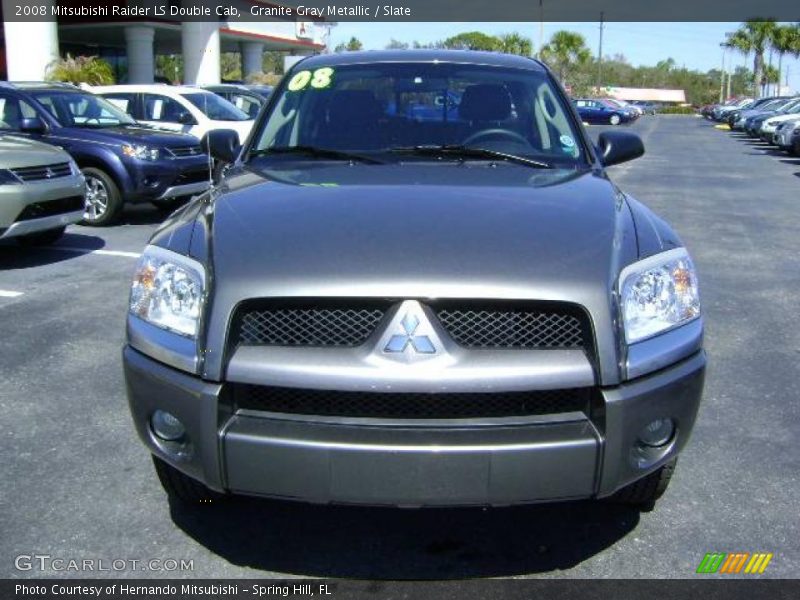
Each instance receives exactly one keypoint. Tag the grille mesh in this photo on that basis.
(181, 151)
(410, 405)
(309, 326)
(513, 328)
(43, 172)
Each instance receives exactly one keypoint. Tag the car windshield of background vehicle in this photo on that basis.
(216, 108)
(82, 110)
(375, 108)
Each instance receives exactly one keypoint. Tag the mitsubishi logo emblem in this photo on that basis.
(421, 344)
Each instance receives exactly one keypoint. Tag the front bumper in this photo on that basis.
(166, 178)
(414, 463)
(41, 205)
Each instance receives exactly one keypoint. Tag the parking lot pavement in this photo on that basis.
(78, 484)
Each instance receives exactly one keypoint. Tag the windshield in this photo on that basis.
(216, 108)
(80, 109)
(383, 107)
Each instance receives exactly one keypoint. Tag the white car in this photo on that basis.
(785, 132)
(178, 108)
(789, 112)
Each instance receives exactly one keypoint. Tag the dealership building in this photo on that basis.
(130, 44)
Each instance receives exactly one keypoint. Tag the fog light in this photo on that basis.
(167, 426)
(657, 433)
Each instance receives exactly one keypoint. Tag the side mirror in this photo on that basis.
(32, 125)
(618, 147)
(222, 144)
(186, 118)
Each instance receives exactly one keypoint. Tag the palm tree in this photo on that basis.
(564, 51)
(785, 39)
(755, 37)
(514, 43)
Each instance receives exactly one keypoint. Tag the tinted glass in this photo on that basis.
(216, 108)
(73, 109)
(380, 106)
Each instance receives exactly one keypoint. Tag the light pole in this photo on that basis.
(724, 47)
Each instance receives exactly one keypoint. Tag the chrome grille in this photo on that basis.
(547, 328)
(42, 172)
(184, 151)
(309, 326)
(409, 405)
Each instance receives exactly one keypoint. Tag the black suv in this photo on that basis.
(121, 160)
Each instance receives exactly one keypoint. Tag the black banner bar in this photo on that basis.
(233, 11)
(302, 589)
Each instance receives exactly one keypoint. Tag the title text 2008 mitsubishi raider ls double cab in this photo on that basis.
(376, 309)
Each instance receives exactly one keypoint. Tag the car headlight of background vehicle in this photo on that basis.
(168, 291)
(141, 152)
(657, 294)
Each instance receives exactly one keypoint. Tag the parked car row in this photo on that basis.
(775, 120)
(610, 111)
(117, 144)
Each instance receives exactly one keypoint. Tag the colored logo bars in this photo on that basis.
(734, 562)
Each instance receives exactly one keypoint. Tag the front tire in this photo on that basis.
(614, 119)
(183, 488)
(644, 492)
(41, 238)
(103, 199)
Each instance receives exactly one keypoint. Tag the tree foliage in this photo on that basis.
(351, 46)
(81, 69)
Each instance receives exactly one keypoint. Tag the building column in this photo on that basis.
(200, 46)
(31, 47)
(139, 45)
(252, 58)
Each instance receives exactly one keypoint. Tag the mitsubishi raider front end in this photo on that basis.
(376, 309)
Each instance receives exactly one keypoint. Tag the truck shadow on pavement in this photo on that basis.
(14, 256)
(386, 543)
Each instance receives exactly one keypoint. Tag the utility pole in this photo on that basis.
(541, 29)
(600, 57)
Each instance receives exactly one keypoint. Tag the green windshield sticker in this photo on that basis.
(320, 79)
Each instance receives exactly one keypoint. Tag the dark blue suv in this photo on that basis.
(121, 160)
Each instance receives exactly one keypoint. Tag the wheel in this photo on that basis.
(103, 200)
(41, 238)
(614, 119)
(183, 488)
(644, 492)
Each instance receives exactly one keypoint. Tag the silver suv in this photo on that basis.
(41, 191)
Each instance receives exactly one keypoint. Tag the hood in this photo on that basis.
(134, 134)
(427, 231)
(20, 152)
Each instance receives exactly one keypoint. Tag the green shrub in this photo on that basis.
(677, 110)
(81, 69)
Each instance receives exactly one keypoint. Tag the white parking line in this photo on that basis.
(103, 252)
(8, 294)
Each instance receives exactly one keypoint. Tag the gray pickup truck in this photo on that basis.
(41, 191)
(395, 300)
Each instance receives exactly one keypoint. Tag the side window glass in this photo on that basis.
(162, 108)
(122, 102)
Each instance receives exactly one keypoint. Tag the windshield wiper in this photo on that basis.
(460, 151)
(316, 152)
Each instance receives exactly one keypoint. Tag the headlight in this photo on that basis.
(140, 152)
(167, 291)
(73, 167)
(657, 294)
(771, 123)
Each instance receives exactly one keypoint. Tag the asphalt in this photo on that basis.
(78, 484)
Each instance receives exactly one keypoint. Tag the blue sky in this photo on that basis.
(695, 45)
